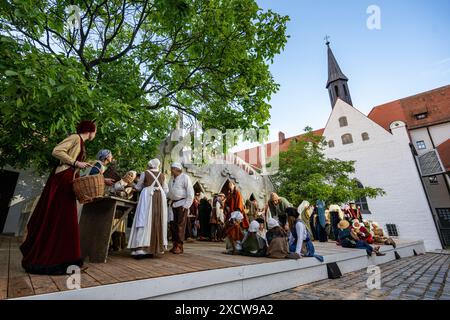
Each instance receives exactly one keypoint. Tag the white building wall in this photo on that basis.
(29, 185)
(385, 161)
(421, 134)
(440, 133)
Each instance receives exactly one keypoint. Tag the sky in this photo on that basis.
(409, 54)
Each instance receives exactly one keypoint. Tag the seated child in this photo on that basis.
(233, 233)
(277, 240)
(253, 244)
(124, 187)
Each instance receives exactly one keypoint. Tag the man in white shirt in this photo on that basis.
(181, 196)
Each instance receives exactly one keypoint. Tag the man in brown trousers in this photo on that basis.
(181, 196)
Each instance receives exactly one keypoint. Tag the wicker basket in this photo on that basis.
(88, 188)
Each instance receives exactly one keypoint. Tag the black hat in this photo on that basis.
(292, 212)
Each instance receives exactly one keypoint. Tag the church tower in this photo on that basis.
(337, 82)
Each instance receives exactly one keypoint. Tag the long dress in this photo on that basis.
(204, 216)
(321, 222)
(53, 239)
(235, 202)
(149, 228)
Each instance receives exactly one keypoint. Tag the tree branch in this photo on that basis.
(99, 60)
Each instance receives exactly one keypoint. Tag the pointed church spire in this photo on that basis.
(337, 81)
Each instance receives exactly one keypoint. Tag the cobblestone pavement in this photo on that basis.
(423, 277)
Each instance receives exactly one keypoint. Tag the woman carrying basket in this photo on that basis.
(53, 240)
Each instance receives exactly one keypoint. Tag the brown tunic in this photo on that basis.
(156, 241)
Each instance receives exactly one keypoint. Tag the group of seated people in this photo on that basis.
(291, 235)
(290, 241)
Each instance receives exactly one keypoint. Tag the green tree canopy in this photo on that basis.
(134, 66)
(306, 174)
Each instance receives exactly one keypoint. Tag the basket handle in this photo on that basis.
(77, 170)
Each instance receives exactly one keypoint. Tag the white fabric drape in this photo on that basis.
(142, 225)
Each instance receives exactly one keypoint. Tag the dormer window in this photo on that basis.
(421, 116)
(420, 113)
(343, 122)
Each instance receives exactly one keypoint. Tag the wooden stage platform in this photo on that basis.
(202, 272)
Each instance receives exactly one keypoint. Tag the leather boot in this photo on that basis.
(178, 249)
(174, 247)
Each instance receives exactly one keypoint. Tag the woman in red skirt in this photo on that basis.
(53, 239)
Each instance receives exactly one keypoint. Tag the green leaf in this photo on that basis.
(11, 73)
(19, 102)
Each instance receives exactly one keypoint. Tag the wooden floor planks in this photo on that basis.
(4, 266)
(19, 282)
(120, 267)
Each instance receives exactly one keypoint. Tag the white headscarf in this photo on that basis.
(154, 164)
(254, 226)
(272, 223)
(334, 208)
(304, 205)
(237, 215)
(177, 165)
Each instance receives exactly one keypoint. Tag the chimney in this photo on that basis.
(281, 137)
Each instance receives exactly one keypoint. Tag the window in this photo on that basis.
(345, 90)
(336, 90)
(433, 180)
(421, 116)
(444, 222)
(421, 145)
(444, 216)
(362, 202)
(365, 136)
(392, 230)
(343, 121)
(331, 144)
(347, 138)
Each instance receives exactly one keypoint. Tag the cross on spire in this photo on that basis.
(327, 39)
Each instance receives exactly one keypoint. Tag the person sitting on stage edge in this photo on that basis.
(277, 240)
(299, 241)
(348, 238)
(253, 244)
(262, 228)
(233, 233)
(379, 237)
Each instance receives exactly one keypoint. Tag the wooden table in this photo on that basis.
(97, 225)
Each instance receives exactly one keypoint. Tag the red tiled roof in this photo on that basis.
(444, 153)
(253, 154)
(285, 145)
(436, 103)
